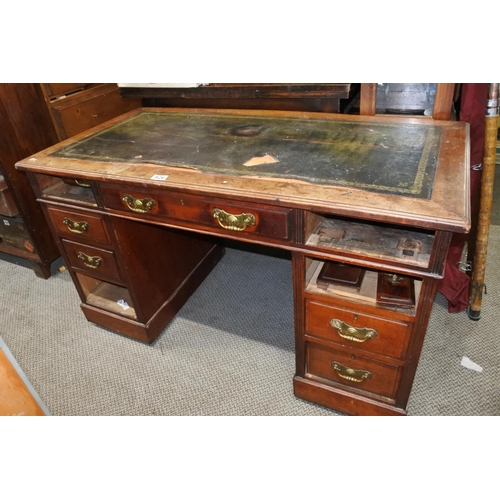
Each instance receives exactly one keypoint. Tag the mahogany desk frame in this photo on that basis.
(352, 355)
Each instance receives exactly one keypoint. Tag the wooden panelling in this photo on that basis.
(86, 106)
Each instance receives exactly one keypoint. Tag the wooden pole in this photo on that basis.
(477, 285)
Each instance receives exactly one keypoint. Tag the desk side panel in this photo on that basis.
(157, 261)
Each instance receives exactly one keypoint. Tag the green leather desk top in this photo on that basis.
(410, 171)
(380, 157)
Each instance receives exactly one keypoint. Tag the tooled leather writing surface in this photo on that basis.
(380, 157)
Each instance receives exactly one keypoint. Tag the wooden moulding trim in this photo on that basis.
(298, 271)
(429, 288)
(128, 327)
(342, 401)
(244, 91)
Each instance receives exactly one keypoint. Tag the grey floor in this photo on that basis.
(228, 352)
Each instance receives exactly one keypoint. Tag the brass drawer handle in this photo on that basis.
(89, 261)
(233, 222)
(83, 184)
(350, 373)
(76, 227)
(352, 333)
(137, 205)
(394, 279)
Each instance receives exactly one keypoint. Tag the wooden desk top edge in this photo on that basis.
(443, 211)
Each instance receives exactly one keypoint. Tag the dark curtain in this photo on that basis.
(455, 284)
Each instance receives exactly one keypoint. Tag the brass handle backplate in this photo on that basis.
(138, 205)
(233, 222)
(83, 184)
(352, 333)
(350, 373)
(394, 279)
(89, 261)
(76, 227)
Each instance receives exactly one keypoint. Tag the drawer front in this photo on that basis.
(235, 219)
(97, 262)
(360, 331)
(354, 371)
(80, 224)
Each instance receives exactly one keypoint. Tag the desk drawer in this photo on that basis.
(97, 262)
(343, 367)
(85, 225)
(353, 329)
(235, 219)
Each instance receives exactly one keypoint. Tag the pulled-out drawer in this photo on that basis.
(219, 216)
(343, 367)
(79, 223)
(97, 262)
(352, 329)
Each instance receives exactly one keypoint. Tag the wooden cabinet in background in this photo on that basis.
(25, 127)
(34, 116)
(321, 97)
(76, 107)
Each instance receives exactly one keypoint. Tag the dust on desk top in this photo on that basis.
(382, 157)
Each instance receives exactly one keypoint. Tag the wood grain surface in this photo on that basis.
(15, 397)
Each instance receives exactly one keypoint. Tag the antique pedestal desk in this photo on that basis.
(366, 206)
